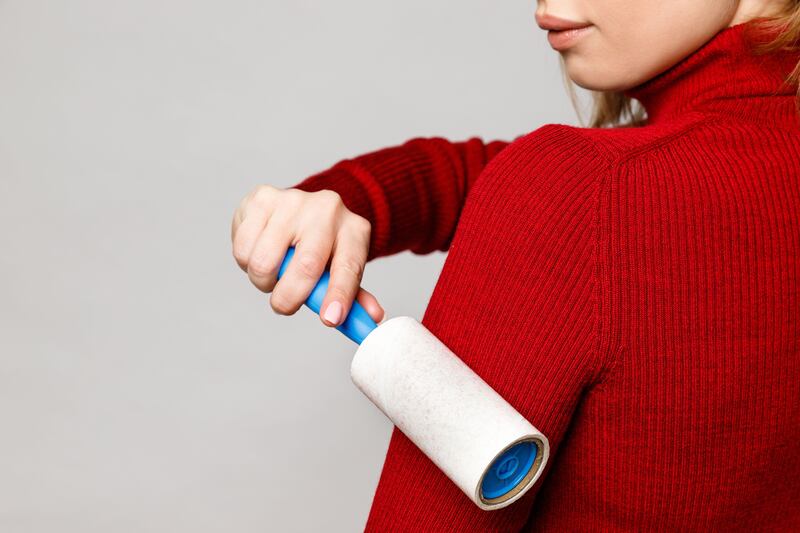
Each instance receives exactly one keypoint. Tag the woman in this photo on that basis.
(630, 287)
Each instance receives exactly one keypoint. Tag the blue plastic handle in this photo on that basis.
(357, 324)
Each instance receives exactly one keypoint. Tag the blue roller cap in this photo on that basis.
(357, 324)
(507, 471)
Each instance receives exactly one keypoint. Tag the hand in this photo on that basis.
(269, 220)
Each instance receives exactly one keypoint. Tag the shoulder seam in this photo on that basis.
(600, 152)
(604, 356)
(602, 279)
(703, 120)
(700, 119)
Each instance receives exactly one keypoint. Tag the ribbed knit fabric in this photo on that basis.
(633, 292)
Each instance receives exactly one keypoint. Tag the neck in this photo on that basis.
(725, 76)
(750, 9)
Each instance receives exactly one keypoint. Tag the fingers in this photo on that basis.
(238, 215)
(320, 227)
(347, 269)
(253, 218)
(269, 251)
(303, 272)
(245, 239)
(235, 224)
(370, 305)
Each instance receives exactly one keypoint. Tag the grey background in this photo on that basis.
(145, 385)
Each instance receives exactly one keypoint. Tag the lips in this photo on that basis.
(551, 22)
(562, 33)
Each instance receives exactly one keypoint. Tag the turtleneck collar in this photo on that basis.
(724, 76)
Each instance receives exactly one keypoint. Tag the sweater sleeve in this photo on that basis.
(539, 337)
(412, 194)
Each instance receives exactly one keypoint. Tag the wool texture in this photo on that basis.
(632, 291)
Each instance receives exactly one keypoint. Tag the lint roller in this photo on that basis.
(488, 449)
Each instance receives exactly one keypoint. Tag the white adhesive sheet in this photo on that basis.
(443, 406)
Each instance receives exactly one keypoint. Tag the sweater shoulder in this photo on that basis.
(561, 143)
(545, 164)
(554, 147)
(556, 151)
(619, 144)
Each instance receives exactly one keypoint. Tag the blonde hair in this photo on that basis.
(614, 109)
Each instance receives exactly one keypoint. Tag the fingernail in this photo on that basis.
(333, 312)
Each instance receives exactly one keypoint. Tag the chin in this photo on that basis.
(596, 77)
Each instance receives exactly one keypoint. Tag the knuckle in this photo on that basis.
(351, 266)
(263, 189)
(293, 196)
(363, 225)
(337, 292)
(310, 263)
(260, 268)
(263, 193)
(330, 195)
(329, 201)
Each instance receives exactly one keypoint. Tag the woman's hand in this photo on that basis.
(269, 220)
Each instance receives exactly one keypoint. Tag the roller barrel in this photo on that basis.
(488, 449)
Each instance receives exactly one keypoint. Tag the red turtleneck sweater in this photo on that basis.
(634, 292)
